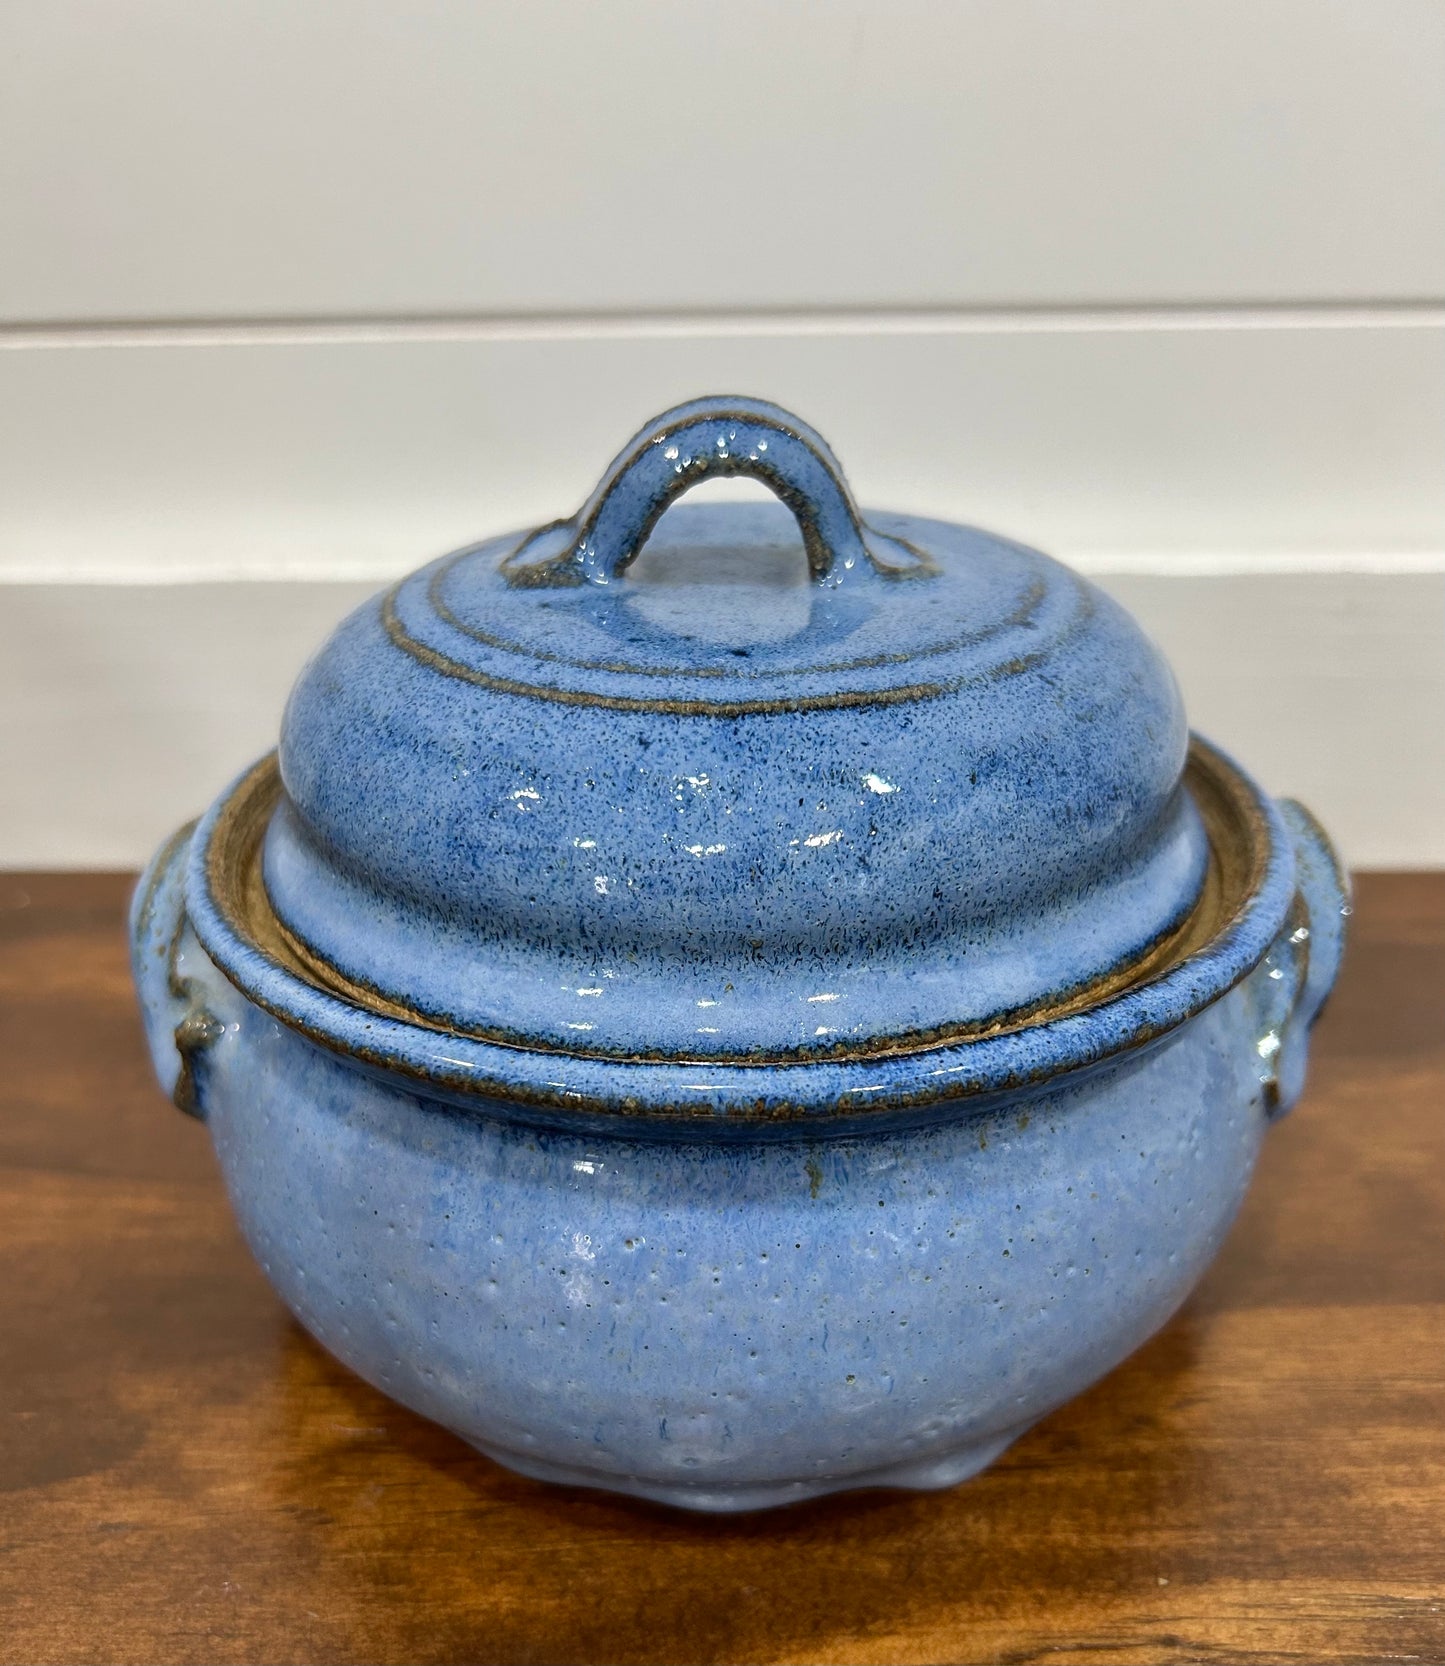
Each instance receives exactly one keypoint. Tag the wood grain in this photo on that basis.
(184, 1476)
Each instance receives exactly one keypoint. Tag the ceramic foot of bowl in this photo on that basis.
(931, 1474)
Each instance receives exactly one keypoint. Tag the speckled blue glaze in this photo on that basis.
(720, 1247)
(713, 815)
(722, 1316)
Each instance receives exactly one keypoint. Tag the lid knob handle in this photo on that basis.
(703, 439)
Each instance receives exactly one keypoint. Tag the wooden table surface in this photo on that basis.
(185, 1476)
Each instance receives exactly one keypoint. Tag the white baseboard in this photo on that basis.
(124, 708)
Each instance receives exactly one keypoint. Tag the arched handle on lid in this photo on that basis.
(704, 439)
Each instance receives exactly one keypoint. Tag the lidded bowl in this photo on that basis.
(707, 833)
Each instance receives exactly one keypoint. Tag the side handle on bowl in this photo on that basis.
(179, 1026)
(1300, 970)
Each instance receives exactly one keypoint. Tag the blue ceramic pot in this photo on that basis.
(774, 1011)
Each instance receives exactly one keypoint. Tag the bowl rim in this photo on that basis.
(1242, 909)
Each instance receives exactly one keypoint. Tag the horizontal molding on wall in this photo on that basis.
(125, 709)
(660, 324)
(164, 159)
(1303, 443)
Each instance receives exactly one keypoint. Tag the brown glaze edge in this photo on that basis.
(1239, 850)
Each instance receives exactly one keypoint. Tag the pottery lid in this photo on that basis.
(788, 783)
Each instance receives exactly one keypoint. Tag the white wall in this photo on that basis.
(294, 295)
